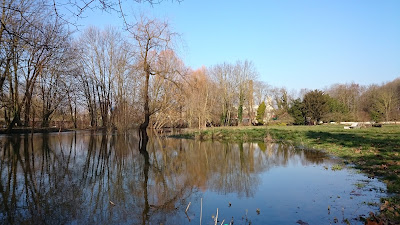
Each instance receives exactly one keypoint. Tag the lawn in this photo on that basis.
(374, 150)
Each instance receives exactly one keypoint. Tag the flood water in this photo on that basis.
(92, 178)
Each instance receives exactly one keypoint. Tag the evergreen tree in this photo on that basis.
(260, 113)
(297, 112)
(315, 105)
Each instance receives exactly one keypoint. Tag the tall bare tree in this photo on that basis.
(152, 38)
(199, 98)
(244, 74)
(166, 90)
(222, 75)
(32, 37)
(348, 95)
(55, 83)
(104, 60)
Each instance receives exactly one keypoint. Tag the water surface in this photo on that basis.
(93, 178)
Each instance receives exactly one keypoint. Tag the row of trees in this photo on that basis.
(101, 77)
(35, 57)
(105, 78)
(348, 102)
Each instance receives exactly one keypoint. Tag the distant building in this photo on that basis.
(269, 110)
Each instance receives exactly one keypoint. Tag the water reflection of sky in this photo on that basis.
(103, 179)
(294, 189)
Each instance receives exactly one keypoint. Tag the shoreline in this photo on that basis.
(29, 130)
(374, 151)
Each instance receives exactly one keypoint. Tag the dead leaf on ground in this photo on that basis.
(384, 205)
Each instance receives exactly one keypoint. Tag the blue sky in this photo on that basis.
(296, 44)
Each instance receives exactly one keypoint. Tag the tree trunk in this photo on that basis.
(72, 111)
(46, 120)
(15, 120)
(146, 108)
(27, 109)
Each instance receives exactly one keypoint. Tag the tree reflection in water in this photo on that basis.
(36, 186)
(88, 177)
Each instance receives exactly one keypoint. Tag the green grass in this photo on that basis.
(226, 133)
(360, 185)
(336, 167)
(375, 151)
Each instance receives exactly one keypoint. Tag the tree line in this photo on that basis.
(107, 78)
(348, 102)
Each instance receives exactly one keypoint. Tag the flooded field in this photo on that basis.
(93, 178)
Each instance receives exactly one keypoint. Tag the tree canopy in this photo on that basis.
(315, 105)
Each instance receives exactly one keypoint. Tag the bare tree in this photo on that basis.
(244, 73)
(55, 82)
(152, 38)
(165, 90)
(198, 95)
(31, 36)
(104, 59)
(222, 75)
(262, 91)
(348, 95)
(388, 99)
(71, 11)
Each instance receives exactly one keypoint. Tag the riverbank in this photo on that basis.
(34, 130)
(29, 130)
(373, 150)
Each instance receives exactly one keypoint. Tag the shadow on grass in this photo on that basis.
(382, 141)
(376, 153)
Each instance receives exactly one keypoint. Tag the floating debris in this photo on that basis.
(187, 208)
(353, 192)
(335, 220)
(302, 222)
(216, 218)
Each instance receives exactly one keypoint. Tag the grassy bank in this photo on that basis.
(375, 151)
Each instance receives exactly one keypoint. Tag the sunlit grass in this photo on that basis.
(336, 167)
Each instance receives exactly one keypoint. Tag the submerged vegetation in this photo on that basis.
(375, 151)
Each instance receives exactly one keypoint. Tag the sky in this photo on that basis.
(293, 44)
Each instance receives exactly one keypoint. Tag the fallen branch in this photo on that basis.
(216, 218)
(201, 209)
(187, 208)
(187, 216)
